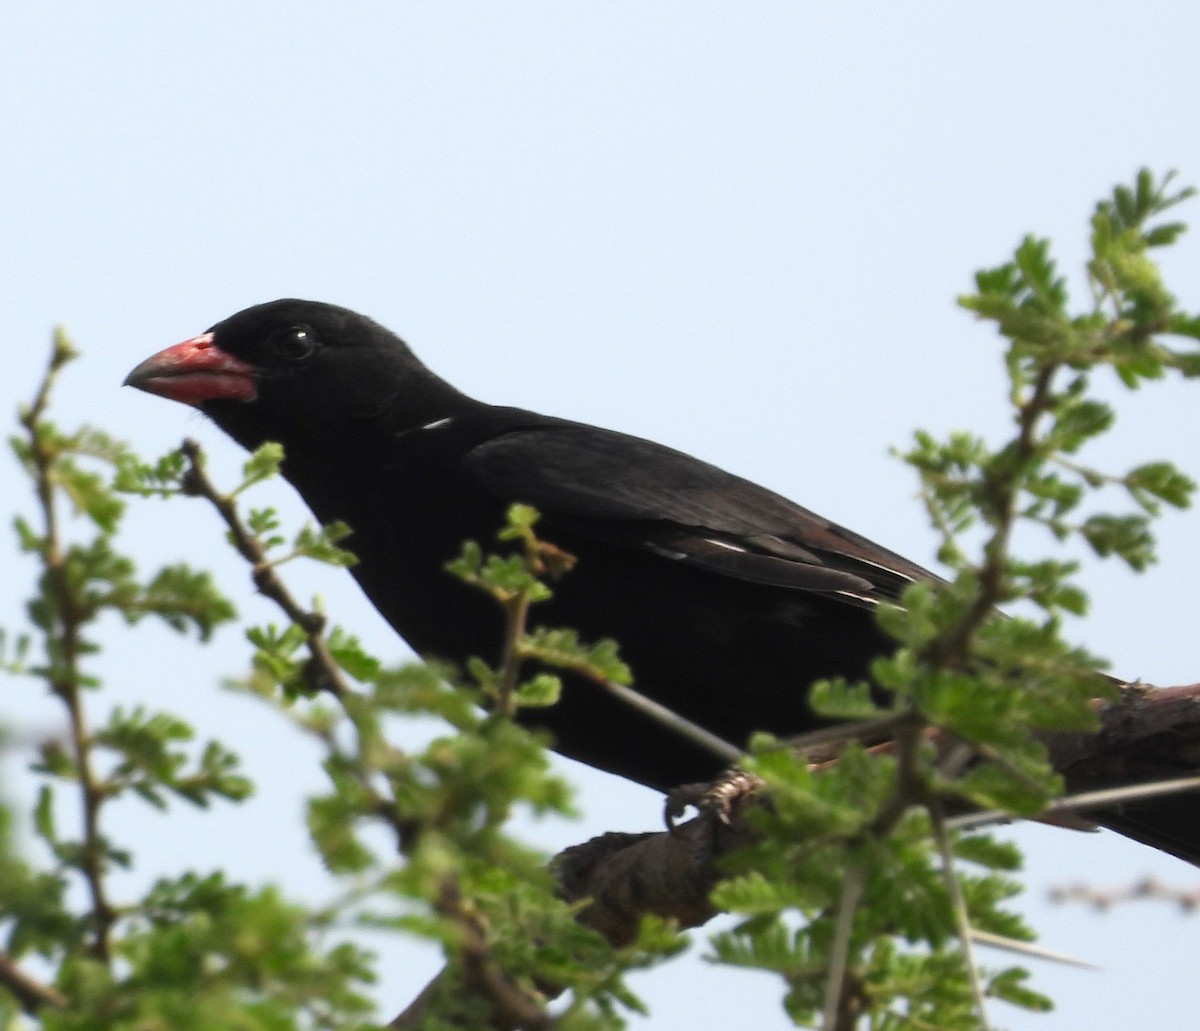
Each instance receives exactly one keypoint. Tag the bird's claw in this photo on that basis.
(715, 800)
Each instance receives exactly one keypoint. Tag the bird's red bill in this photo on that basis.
(195, 371)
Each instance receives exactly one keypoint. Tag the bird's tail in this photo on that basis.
(1142, 768)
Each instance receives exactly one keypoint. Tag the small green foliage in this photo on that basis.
(180, 596)
(1009, 986)
(160, 478)
(818, 836)
(839, 699)
(203, 954)
(562, 649)
(1159, 481)
(322, 545)
(539, 691)
(148, 764)
(517, 582)
(195, 952)
(263, 522)
(13, 651)
(264, 464)
(506, 578)
(56, 456)
(854, 892)
(849, 874)
(278, 660)
(448, 803)
(1126, 536)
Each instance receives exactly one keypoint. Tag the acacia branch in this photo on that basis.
(1146, 889)
(323, 671)
(1147, 736)
(28, 991)
(64, 645)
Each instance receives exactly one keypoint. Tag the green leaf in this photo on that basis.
(1160, 480)
(322, 545)
(1009, 985)
(839, 699)
(541, 691)
(1127, 537)
(263, 464)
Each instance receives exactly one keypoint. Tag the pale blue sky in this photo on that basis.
(734, 228)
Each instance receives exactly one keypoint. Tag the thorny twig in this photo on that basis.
(324, 672)
(30, 993)
(958, 904)
(511, 1005)
(837, 1015)
(64, 646)
(1148, 888)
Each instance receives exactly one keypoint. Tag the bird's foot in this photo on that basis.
(715, 800)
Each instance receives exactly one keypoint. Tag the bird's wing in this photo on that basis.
(632, 491)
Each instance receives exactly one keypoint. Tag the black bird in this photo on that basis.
(726, 599)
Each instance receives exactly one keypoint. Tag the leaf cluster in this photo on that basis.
(195, 950)
(858, 894)
(463, 881)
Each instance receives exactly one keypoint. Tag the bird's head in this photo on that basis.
(296, 371)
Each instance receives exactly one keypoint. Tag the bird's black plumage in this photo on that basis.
(727, 600)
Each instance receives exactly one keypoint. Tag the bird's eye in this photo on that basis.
(293, 344)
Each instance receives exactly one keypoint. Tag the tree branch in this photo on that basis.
(323, 670)
(30, 993)
(64, 647)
